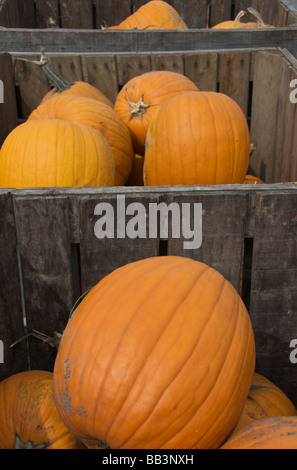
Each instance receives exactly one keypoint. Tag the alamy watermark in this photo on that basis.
(293, 94)
(1, 92)
(151, 221)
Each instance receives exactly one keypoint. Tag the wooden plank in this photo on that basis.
(171, 62)
(76, 14)
(45, 250)
(69, 66)
(47, 12)
(11, 315)
(9, 14)
(194, 14)
(100, 256)
(234, 77)
(8, 104)
(19, 41)
(131, 65)
(111, 13)
(274, 279)
(32, 85)
(272, 111)
(202, 69)
(101, 73)
(220, 248)
(220, 10)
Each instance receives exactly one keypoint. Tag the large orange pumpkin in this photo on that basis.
(142, 95)
(265, 400)
(279, 432)
(197, 138)
(237, 23)
(55, 153)
(160, 354)
(28, 416)
(98, 115)
(155, 14)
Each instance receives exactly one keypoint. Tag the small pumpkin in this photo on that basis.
(197, 138)
(237, 23)
(279, 432)
(265, 400)
(44, 153)
(159, 354)
(29, 418)
(98, 115)
(155, 14)
(142, 95)
(251, 179)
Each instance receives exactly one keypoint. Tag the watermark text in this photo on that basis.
(293, 94)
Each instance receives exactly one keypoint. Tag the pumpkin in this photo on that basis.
(237, 23)
(197, 138)
(52, 152)
(278, 432)
(265, 400)
(62, 86)
(98, 115)
(142, 95)
(251, 179)
(136, 175)
(29, 418)
(155, 14)
(159, 354)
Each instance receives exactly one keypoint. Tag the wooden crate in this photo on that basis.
(50, 256)
(258, 80)
(91, 14)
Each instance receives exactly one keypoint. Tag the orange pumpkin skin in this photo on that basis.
(98, 115)
(142, 95)
(155, 14)
(265, 400)
(82, 89)
(160, 354)
(55, 153)
(197, 138)
(279, 432)
(251, 179)
(29, 417)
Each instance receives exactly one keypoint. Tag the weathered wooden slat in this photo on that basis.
(272, 12)
(202, 69)
(273, 120)
(12, 360)
(221, 248)
(195, 14)
(14, 14)
(8, 104)
(234, 77)
(44, 239)
(273, 306)
(69, 66)
(47, 13)
(100, 256)
(111, 13)
(32, 85)
(220, 10)
(101, 73)
(172, 62)
(131, 65)
(55, 40)
(76, 14)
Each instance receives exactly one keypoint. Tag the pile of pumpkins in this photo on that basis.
(160, 354)
(161, 130)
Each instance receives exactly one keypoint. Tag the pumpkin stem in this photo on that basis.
(137, 109)
(239, 15)
(257, 15)
(52, 341)
(19, 444)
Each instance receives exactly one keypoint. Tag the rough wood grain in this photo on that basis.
(8, 103)
(101, 73)
(45, 251)
(11, 314)
(47, 13)
(76, 14)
